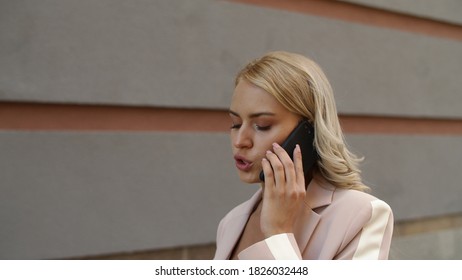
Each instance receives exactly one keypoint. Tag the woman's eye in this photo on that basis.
(257, 127)
(235, 126)
(263, 128)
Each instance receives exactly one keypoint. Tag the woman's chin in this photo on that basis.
(249, 178)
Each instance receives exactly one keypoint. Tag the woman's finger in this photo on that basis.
(268, 171)
(298, 163)
(278, 169)
(288, 164)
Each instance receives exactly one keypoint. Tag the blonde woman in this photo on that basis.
(320, 213)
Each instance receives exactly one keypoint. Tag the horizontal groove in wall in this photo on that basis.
(400, 125)
(22, 116)
(191, 252)
(424, 225)
(59, 117)
(364, 15)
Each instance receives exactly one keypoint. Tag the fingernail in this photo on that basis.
(297, 147)
(276, 145)
(268, 152)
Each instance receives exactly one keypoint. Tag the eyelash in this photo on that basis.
(260, 128)
(235, 126)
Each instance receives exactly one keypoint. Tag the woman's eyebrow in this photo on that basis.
(253, 115)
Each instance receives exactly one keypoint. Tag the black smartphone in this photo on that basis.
(302, 135)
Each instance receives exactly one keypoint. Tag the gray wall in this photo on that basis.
(76, 194)
(416, 174)
(81, 193)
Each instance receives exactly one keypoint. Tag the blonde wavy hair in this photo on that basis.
(301, 86)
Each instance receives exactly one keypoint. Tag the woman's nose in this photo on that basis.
(243, 139)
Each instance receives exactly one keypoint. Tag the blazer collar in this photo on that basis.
(319, 193)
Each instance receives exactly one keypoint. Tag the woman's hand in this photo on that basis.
(284, 191)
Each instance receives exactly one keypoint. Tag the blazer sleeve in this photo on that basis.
(277, 247)
(371, 236)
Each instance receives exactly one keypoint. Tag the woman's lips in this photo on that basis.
(243, 164)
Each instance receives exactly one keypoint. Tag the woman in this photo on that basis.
(320, 213)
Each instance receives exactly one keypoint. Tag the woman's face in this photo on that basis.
(258, 121)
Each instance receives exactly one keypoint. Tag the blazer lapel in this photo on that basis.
(316, 196)
(235, 226)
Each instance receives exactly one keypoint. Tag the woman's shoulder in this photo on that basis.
(346, 197)
(350, 196)
(350, 201)
(359, 205)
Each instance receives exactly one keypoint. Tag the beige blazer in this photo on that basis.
(334, 224)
